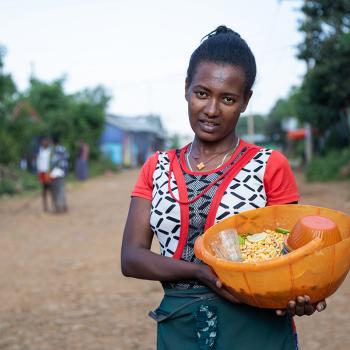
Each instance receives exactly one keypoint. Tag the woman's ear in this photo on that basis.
(246, 99)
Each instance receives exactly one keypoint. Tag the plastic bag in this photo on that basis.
(227, 245)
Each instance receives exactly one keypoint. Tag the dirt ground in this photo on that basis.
(61, 286)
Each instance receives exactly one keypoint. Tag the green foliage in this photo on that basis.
(329, 167)
(7, 86)
(45, 109)
(47, 97)
(102, 166)
(48, 110)
(8, 186)
(88, 114)
(8, 146)
(285, 107)
(14, 180)
(9, 151)
(323, 20)
(325, 92)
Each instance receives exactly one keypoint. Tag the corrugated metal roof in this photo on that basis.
(149, 123)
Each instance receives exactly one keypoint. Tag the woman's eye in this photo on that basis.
(228, 100)
(201, 94)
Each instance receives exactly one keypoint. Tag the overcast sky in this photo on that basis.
(139, 50)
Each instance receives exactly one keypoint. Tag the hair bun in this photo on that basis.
(221, 30)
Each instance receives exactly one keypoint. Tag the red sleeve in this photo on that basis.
(144, 184)
(279, 181)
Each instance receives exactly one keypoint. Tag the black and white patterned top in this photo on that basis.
(257, 178)
(245, 191)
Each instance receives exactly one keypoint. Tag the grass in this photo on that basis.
(333, 166)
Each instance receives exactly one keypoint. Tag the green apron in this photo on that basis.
(199, 319)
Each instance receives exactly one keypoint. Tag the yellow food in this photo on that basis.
(263, 249)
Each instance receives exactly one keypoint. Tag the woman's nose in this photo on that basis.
(211, 108)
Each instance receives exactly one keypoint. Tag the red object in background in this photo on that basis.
(298, 134)
(44, 178)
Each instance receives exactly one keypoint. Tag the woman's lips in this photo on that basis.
(208, 126)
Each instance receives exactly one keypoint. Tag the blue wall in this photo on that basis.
(127, 148)
(112, 143)
(113, 151)
(112, 134)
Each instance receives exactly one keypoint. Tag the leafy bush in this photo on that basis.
(101, 166)
(28, 181)
(332, 166)
(8, 148)
(14, 180)
(8, 186)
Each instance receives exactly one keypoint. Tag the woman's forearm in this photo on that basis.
(143, 263)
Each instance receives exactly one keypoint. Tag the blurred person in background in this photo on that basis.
(59, 169)
(180, 193)
(43, 166)
(81, 163)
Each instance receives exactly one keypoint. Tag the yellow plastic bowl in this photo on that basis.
(312, 269)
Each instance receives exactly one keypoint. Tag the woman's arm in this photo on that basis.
(137, 260)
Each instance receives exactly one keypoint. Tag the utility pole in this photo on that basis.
(308, 142)
(250, 126)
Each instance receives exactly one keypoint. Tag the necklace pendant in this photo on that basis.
(200, 166)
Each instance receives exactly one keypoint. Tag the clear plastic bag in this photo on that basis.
(226, 246)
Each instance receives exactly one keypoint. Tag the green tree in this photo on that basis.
(325, 92)
(9, 151)
(7, 85)
(70, 117)
(88, 114)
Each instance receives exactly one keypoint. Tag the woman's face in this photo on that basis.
(215, 100)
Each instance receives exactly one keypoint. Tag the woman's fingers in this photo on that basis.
(321, 305)
(281, 312)
(301, 306)
(291, 308)
(215, 284)
(294, 307)
(309, 309)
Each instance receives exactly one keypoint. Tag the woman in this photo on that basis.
(180, 193)
(81, 163)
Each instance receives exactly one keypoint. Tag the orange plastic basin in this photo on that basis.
(313, 269)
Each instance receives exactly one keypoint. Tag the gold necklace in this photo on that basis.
(201, 165)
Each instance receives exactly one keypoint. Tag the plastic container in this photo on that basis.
(310, 227)
(226, 246)
(313, 269)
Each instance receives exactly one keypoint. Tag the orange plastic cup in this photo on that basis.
(311, 227)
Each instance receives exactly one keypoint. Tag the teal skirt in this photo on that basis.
(199, 319)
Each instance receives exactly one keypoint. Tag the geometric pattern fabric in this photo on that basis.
(246, 191)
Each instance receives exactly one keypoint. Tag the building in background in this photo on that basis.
(129, 141)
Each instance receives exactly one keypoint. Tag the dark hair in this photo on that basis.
(55, 138)
(223, 45)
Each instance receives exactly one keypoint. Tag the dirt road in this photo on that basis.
(61, 286)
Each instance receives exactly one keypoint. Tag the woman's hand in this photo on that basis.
(208, 277)
(301, 306)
